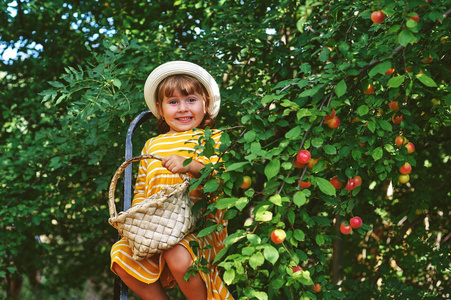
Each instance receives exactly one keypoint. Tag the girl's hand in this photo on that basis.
(174, 164)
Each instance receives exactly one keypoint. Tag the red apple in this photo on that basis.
(297, 269)
(394, 105)
(317, 287)
(404, 178)
(345, 229)
(303, 156)
(377, 17)
(305, 184)
(396, 119)
(357, 180)
(334, 122)
(350, 185)
(400, 141)
(312, 162)
(390, 71)
(410, 147)
(405, 169)
(298, 164)
(337, 183)
(416, 18)
(370, 89)
(247, 181)
(278, 236)
(328, 117)
(427, 60)
(355, 222)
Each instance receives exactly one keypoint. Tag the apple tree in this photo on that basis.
(335, 141)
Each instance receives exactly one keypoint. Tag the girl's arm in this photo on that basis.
(174, 163)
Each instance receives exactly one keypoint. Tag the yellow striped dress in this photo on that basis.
(152, 177)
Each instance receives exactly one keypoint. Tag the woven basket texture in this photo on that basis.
(157, 223)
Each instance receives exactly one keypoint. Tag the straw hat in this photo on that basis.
(176, 68)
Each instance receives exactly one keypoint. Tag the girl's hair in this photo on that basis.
(187, 85)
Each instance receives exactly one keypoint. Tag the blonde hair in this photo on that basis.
(187, 85)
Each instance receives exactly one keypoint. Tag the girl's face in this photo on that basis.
(182, 112)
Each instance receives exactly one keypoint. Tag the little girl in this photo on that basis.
(182, 96)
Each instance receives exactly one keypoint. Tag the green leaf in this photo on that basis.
(363, 110)
(406, 37)
(276, 199)
(340, 88)
(56, 84)
(426, 80)
(385, 125)
(294, 132)
(237, 166)
(303, 112)
(299, 198)
(254, 239)
(299, 235)
(273, 168)
(225, 203)
(317, 142)
(271, 254)
(117, 83)
(372, 126)
(377, 153)
(207, 231)
(325, 186)
(211, 185)
(256, 260)
(329, 149)
(229, 275)
(380, 68)
(311, 92)
(319, 239)
(396, 81)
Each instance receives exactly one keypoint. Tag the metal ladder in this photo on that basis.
(120, 289)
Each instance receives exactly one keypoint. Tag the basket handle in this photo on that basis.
(117, 174)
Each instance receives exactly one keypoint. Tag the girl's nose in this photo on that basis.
(183, 106)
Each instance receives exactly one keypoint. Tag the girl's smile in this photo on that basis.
(182, 112)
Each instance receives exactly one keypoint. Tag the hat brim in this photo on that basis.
(177, 68)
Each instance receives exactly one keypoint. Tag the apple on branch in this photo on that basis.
(405, 169)
(377, 17)
(400, 141)
(334, 122)
(369, 89)
(357, 181)
(345, 229)
(410, 147)
(247, 181)
(350, 185)
(404, 178)
(394, 105)
(390, 71)
(317, 287)
(303, 157)
(355, 222)
(337, 183)
(278, 236)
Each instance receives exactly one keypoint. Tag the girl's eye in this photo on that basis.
(192, 99)
(172, 101)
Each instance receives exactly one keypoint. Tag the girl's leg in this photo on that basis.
(152, 291)
(178, 260)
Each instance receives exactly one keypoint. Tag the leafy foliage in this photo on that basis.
(282, 66)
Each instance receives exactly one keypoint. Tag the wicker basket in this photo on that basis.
(158, 222)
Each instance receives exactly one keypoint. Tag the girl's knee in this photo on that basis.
(178, 259)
